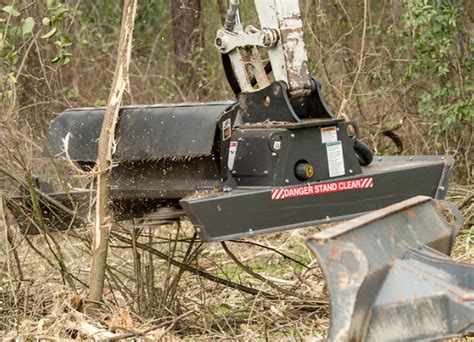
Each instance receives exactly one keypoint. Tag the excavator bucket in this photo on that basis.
(389, 275)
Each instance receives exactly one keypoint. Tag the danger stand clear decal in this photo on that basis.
(318, 189)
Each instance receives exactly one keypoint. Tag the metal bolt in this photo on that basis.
(380, 158)
(250, 230)
(410, 158)
(292, 135)
(198, 229)
(274, 154)
(287, 180)
(350, 171)
(276, 90)
(441, 188)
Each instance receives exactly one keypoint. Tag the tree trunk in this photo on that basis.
(103, 219)
(188, 37)
(222, 4)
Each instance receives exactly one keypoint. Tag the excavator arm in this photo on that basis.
(281, 35)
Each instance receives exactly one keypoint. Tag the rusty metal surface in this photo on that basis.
(288, 57)
(281, 33)
(389, 276)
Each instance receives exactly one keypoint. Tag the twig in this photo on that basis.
(273, 250)
(361, 60)
(155, 327)
(188, 257)
(194, 270)
(50, 263)
(254, 274)
(10, 248)
(163, 334)
(466, 201)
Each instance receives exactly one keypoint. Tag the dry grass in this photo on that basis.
(41, 303)
(140, 300)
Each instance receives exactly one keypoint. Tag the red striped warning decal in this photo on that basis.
(317, 189)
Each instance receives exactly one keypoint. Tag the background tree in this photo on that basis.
(188, 39)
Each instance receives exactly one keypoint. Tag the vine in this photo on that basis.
(441, 53)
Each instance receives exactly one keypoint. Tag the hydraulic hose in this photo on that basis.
(363, 153)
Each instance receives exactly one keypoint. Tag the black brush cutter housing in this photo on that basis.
(264, 163)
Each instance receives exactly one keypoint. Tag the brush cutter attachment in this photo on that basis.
(275, 159)
(389, 276)
(234, 169)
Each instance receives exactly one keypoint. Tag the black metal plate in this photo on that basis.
(143, 133)
(243, 213)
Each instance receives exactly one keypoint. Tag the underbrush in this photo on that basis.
(162, 282)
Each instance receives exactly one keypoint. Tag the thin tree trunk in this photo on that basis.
(103, 219)
(187, 36)
(222, 4)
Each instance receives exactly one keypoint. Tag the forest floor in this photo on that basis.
(146, 298)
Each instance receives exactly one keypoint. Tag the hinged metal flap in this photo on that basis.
(143, 132)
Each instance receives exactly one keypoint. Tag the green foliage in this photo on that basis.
(441, 61)
(28, 25)
(8, 51)
(11, 11)
(57, 12)
(16, 30)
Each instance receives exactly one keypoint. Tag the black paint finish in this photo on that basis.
(143, 133)
(246, 212)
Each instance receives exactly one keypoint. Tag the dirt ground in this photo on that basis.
(148, 298)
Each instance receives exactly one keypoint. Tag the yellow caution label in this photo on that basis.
(309, 171)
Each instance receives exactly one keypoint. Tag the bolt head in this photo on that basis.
(276, 90)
